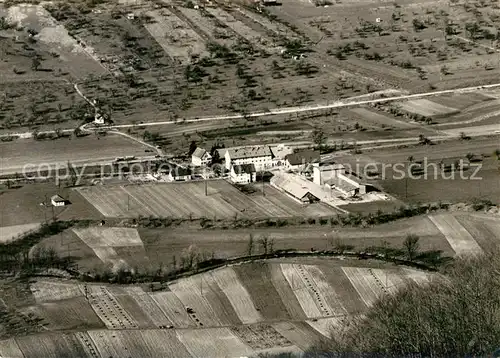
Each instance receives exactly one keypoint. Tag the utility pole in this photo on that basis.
(206, 187)
(406, 187)
(262, 176)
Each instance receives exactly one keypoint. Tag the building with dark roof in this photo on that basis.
(180, 174)
(243, 173)
(300, 159)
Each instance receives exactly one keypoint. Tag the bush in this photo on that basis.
(456, 315)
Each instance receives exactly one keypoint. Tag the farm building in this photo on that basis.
(200, 157)
(179, 174)
(280, 151)
(260, 156)
(321, 173)
(297, 187)
(299, 160)
(57, 200)
(243, 173)
(334, 177)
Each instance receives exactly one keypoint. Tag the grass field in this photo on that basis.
(188, 199)
(90, 149)
(21, 206)
(439, 185)
(10, 233)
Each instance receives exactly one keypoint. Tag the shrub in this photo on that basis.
(452, 316)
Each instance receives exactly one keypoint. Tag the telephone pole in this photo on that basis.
(206, 187)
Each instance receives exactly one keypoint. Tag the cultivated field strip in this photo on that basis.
(219, 301)
(300, 291)
(304, 287)
(299, 333)
(213, 342)
(285, 292)
(178, 40)
(9, 233)
(257, 279)
(10, 349)
(108, 255)
(459, 238)
(130, 305)
(108, 309)
(73, 313)
(426, 107)
(274, 27)
(484, 229)
(173, 309)
(189, 200)
(325, 289)
(326, 326)
(149, 306)
(103, 240)
(416, 275)
(237, 294)
(150, 343)
(51, 345)
(379, 119)
(88, 344)
(260, 336)
(190, 292)
(252, 36)
(44, 291)
(391, 280)
(365, 283)
(112, 201)
(209, 27)
(108, 236)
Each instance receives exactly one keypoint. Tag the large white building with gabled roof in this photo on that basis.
(259, 155)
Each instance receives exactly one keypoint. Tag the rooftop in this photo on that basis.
(303, 157)
(341, 184)
(199, 152)
(244, 169)
(180, 171)
(57, 198)
(329, 167)
(281, 151)
(297, 186)
(249, 152)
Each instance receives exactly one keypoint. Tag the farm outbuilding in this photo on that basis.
(322, 173)
(297, 187)
(57, 200)
(299, 160)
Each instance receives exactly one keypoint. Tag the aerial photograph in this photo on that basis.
(249, 178)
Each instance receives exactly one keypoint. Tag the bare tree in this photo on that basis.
(250, 245)
(264, 243)
(411, 246)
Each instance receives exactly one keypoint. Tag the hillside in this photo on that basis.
(242, 310)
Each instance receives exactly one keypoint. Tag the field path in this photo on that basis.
(459, 238)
